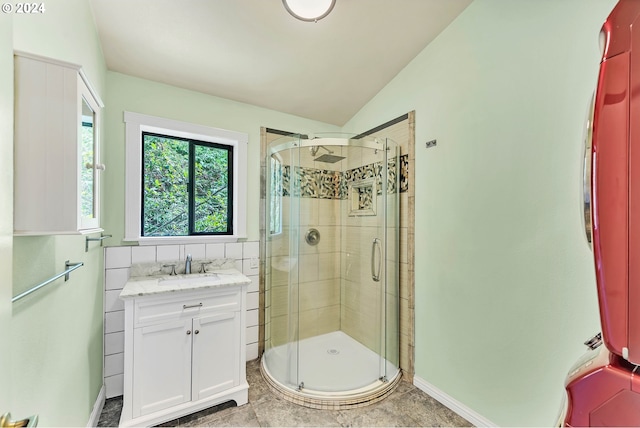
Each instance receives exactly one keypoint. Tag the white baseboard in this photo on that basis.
(453, 404)
(97, 408)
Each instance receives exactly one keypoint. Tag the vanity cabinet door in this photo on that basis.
(216, 353)
(162, 366)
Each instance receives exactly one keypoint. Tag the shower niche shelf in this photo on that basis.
(363, 195)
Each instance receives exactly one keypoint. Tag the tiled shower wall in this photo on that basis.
(118, 261)
(362, 298)
(318, 305)
(335, 290)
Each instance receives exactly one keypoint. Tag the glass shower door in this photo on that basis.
(353, 356)
(282, 264)
(376, 213)
(371, 242)
(320, 349)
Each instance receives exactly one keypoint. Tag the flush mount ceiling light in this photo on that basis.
(309, 10)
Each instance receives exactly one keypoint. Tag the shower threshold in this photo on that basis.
(338, 371)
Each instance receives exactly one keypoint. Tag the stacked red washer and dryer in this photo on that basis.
(603, 387)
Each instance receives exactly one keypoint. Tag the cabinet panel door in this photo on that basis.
(57, 148)
(216, 354)
(162, 366)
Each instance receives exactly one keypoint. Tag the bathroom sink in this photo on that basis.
(191, 279)
(220, 275)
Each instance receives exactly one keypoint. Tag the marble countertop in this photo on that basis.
(160, 284)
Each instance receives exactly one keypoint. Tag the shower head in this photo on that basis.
(329, 158)
(314, 150)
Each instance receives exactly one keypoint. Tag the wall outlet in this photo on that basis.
(431, 143)
(254, 263)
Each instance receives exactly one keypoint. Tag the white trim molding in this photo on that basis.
(453, 404)
(97, 408)
(136, 123)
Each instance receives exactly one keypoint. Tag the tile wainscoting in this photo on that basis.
(117, 263)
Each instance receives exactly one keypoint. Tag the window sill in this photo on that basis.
(169, 240)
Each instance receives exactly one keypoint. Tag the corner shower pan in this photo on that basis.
(332, 362)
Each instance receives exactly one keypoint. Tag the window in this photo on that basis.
(87, 161)
(275, 192)
(186, 187)
(183, 182)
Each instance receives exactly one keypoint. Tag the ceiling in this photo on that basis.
(254, 52)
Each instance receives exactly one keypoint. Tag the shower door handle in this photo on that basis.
(375, 273)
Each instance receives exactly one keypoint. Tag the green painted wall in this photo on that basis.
(56, 340)
(126, 93)
(505, 289)
(6, 202)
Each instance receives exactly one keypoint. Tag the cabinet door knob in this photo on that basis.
(98, 166)
(197, 331)
(188, 332)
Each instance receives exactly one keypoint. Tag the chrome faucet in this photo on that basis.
(187, 265)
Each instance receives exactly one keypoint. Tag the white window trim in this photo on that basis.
(136, 124)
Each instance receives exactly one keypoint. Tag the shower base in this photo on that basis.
(333, 367)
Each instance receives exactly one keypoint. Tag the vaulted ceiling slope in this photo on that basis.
(254, 52)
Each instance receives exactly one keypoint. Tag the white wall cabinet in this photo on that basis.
(183, 353)
(56, 148)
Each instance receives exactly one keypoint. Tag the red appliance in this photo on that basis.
(603, 387)
(603, 391)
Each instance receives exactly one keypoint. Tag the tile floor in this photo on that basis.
(407, 406)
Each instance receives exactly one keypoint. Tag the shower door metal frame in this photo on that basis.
(391, 267)
(292, 362)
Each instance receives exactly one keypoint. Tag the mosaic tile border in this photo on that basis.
(331, 403)
(327, 184)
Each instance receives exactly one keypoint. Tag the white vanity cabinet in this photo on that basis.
(56, 148)
(184, 352)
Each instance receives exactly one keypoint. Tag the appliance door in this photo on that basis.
(615, 179)
(634, 194)
(610, 189)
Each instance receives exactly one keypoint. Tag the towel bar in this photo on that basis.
(69, 267)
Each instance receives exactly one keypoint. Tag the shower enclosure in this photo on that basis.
(331, 276)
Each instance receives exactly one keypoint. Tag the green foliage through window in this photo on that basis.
(86, 170)
(275, 214)
(187, 187)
